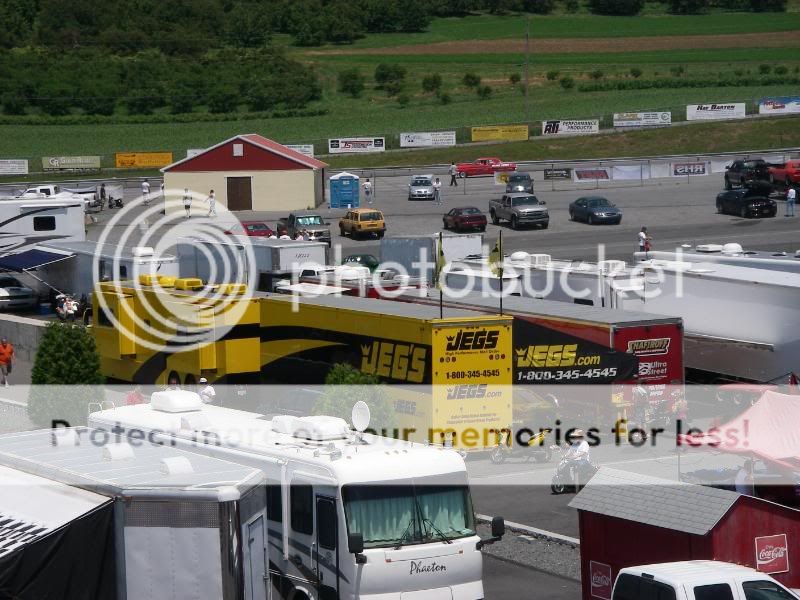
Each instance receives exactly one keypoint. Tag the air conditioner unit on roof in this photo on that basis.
(317, 428)
(176, 401)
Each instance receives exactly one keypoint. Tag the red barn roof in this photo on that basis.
(258, 154)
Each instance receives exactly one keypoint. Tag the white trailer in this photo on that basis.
(728, 254)
(408, 251)
(25, 223)
(351, 515)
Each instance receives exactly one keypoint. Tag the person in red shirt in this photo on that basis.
(134, 396)
(6, 356)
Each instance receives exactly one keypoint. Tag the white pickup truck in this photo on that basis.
(697, 580)
(51, 191)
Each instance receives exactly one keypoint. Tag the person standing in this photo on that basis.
(791, 196)
(103, 196)
(162, 189)
(453, 174)
(187, 202)
(212, 204)
(368, 190)
(644, 241)
(437, 190)
(6, 358)
(207, 392)
(146, 192)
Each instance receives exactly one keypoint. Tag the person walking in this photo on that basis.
(6, 359)
(187, 202)
(207, 392)
(368, 190)
(103, 196)
(453, 174)
(644, 241)
(437, 190)
(162, 189)
(212, 204)
(791, 196)
(146, 192)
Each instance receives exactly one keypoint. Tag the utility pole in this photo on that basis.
(527, 69)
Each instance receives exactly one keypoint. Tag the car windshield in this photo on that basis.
(752, 164)
(371, 216)
(599, 203)
(524, 201)
(519, 178)
(310, 220)
(469, 211)
(390, 515)
(257, 227)
(9, 282)
(421, 182)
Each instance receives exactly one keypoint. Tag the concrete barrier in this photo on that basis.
(24, 333)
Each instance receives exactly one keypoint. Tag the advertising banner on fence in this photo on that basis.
(558, 173)
(571, 127)
(690, 168)
(591, 174)
(71, 163)
(510, 133)
(426, 139)
(779, 106)
(304, 149)
(359, 144)
(642, 119)
(711, 112)
(13, 166)
(640, 172)
(139, 160)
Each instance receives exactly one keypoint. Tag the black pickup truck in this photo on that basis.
(744, 172)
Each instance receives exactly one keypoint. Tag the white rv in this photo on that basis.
(728, 254)
(25, 223)
(350, 515)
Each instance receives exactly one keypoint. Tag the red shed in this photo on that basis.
(249, 172)
(627, 519)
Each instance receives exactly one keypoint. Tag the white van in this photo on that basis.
(697, 580)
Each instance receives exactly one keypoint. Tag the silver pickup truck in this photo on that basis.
(519, 209)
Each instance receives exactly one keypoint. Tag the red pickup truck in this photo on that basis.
(788, 172)
(484, 166)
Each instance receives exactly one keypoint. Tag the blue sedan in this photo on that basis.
(594, 209)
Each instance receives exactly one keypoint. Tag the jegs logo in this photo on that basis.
(473, 340)
(649, 347)
(470, 391)
(402, 362)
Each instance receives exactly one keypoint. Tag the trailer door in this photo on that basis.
(256, 552)
(326, 560)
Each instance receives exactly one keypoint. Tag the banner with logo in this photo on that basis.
(427, 139)
(356, 144)
(509, 133)
(558, 173)
(591, 174)
(190, 152)
(690, 168)
(779, 106)
(142, 160)
(304, 149)
(642, 119)
(570, 127)
(631, 172)
(71, 163)
(772, 554)
(712, 112)
(601, 582)
(14, 166)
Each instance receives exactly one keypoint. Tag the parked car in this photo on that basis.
(786, 173)
(362, 260)
(360, 222)
(464, 218)
(311, 223)
(520, 210)
(15, 295)
(746, 203)
(484, 166)
(595, 209)
(519, 182)
(421, 187)
(742, 172)
(251, 228)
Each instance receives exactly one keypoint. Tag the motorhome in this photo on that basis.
(25, 223)
(727, 254)
(407, 252)
(175, 525)
(350, 514)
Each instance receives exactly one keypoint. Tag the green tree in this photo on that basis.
(344, 386)
(471, 80)
(67, 356)
(539, 7)
(432, 83)
(55, 98)
(222, 100)
(14, 102)
(389, 73)
(247, 25)
(403, 100)
(414, 16)
(484, 92)
(351, 82)
(688, 7)
(567, 83)
(616, 7)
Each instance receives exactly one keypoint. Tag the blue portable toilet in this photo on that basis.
(344, 190)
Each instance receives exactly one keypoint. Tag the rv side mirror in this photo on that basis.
(355, 543)
(498, 527)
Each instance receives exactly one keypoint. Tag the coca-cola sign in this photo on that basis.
(772, 554)
(601, 582)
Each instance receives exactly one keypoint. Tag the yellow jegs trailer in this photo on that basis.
(450, 378)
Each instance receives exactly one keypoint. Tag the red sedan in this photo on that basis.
(484, 166)
(251, 228)
(464, 218)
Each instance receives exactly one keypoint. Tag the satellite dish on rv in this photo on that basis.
(360, 416)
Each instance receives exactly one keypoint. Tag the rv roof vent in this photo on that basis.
(609, 267)
(732, 248)
(520, 256)
(118, 451)
(709, 248)
(176, 401)
(65, 437)
(317, 428)
(539, 259)
(195, 421)
(142, 251)
(176, 465)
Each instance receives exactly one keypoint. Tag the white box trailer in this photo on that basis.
(185, 526)
(728, 254)
(356, 515)
(407, 250)
(26, 222)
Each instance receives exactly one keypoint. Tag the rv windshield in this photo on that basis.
(394, 515)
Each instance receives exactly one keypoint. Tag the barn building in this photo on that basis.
(249, 172)
(627, 520)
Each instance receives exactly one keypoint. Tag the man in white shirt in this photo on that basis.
(187, 202)
(146, 192)
(791, 196)
(207, 393)
(644, 240)
(368, 190)
(453, 173)
(744, 479)
(437, 190)
(212, 204)
(579, 448)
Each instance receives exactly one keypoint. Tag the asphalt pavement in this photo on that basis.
(503, 579)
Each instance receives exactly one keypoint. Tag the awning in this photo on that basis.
(31, 259)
